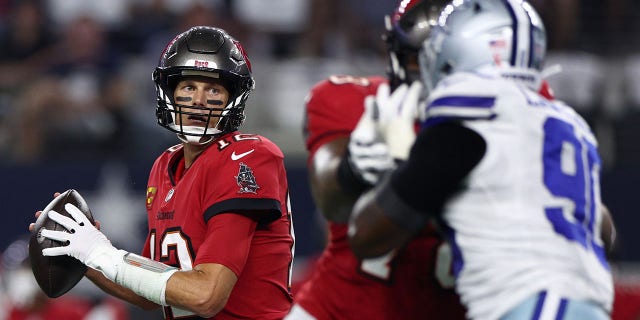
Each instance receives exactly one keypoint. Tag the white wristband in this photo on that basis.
(145, 277)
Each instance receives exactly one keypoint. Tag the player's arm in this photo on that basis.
(334, 189)
(118, 291)
(353, 158)
(203, 290)
(392, 213)
(104, 283)
(345, 167)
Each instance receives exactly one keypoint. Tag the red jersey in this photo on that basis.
(400, 285)
(230, 207)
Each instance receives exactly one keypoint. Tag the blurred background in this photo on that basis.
(77, 102)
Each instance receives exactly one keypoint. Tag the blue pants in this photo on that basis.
(549, 306)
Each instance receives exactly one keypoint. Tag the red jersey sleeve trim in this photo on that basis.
(261, 210)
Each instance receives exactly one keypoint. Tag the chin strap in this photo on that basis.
(197, 140)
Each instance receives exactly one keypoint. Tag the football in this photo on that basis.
(57, 274)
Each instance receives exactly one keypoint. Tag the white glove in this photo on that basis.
(144, 276)
(368, 154)
(397, 116)
(86, 243)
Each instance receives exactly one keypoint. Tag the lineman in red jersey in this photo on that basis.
(411, 283)
(220, 242)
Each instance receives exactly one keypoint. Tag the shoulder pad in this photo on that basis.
(462, 97)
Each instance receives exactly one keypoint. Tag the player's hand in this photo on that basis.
(368, 154)
(84, 241)
(398, 112)
(32, 225)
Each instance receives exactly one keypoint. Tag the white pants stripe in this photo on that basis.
(550, 306)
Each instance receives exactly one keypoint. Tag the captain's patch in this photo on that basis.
(246, 180)
(151, 193)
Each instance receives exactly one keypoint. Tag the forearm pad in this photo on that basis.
(146, 277)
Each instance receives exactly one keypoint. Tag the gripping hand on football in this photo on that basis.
(145, 277)
(84, 242)
(398, 112)
(368, 154)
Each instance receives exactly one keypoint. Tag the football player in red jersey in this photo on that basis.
(220, 241)
(410, 283)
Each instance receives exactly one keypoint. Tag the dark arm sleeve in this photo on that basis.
(440, 160)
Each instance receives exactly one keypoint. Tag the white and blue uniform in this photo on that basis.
(527, 223)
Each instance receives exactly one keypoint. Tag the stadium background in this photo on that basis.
(77, 100)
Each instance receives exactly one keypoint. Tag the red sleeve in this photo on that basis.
(228, 241)
(334, 106)
(252, 185)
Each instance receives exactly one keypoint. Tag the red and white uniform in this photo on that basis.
(401, 285)
(230, 207)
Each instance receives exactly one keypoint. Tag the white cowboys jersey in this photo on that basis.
(529, 217)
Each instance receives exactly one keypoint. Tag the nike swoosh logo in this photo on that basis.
(235, 156)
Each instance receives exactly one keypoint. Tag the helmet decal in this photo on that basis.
(246, 180)
(244, 54)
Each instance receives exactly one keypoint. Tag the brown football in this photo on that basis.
(56, 275)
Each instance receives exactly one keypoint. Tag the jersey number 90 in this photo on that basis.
(571, 172)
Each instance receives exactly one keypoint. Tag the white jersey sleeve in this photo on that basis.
(529, 217)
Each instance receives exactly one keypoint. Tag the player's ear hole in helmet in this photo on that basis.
(209, 52)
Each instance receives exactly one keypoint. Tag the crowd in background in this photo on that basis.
(75, 75)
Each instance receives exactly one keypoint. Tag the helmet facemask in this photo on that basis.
(203, 52)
